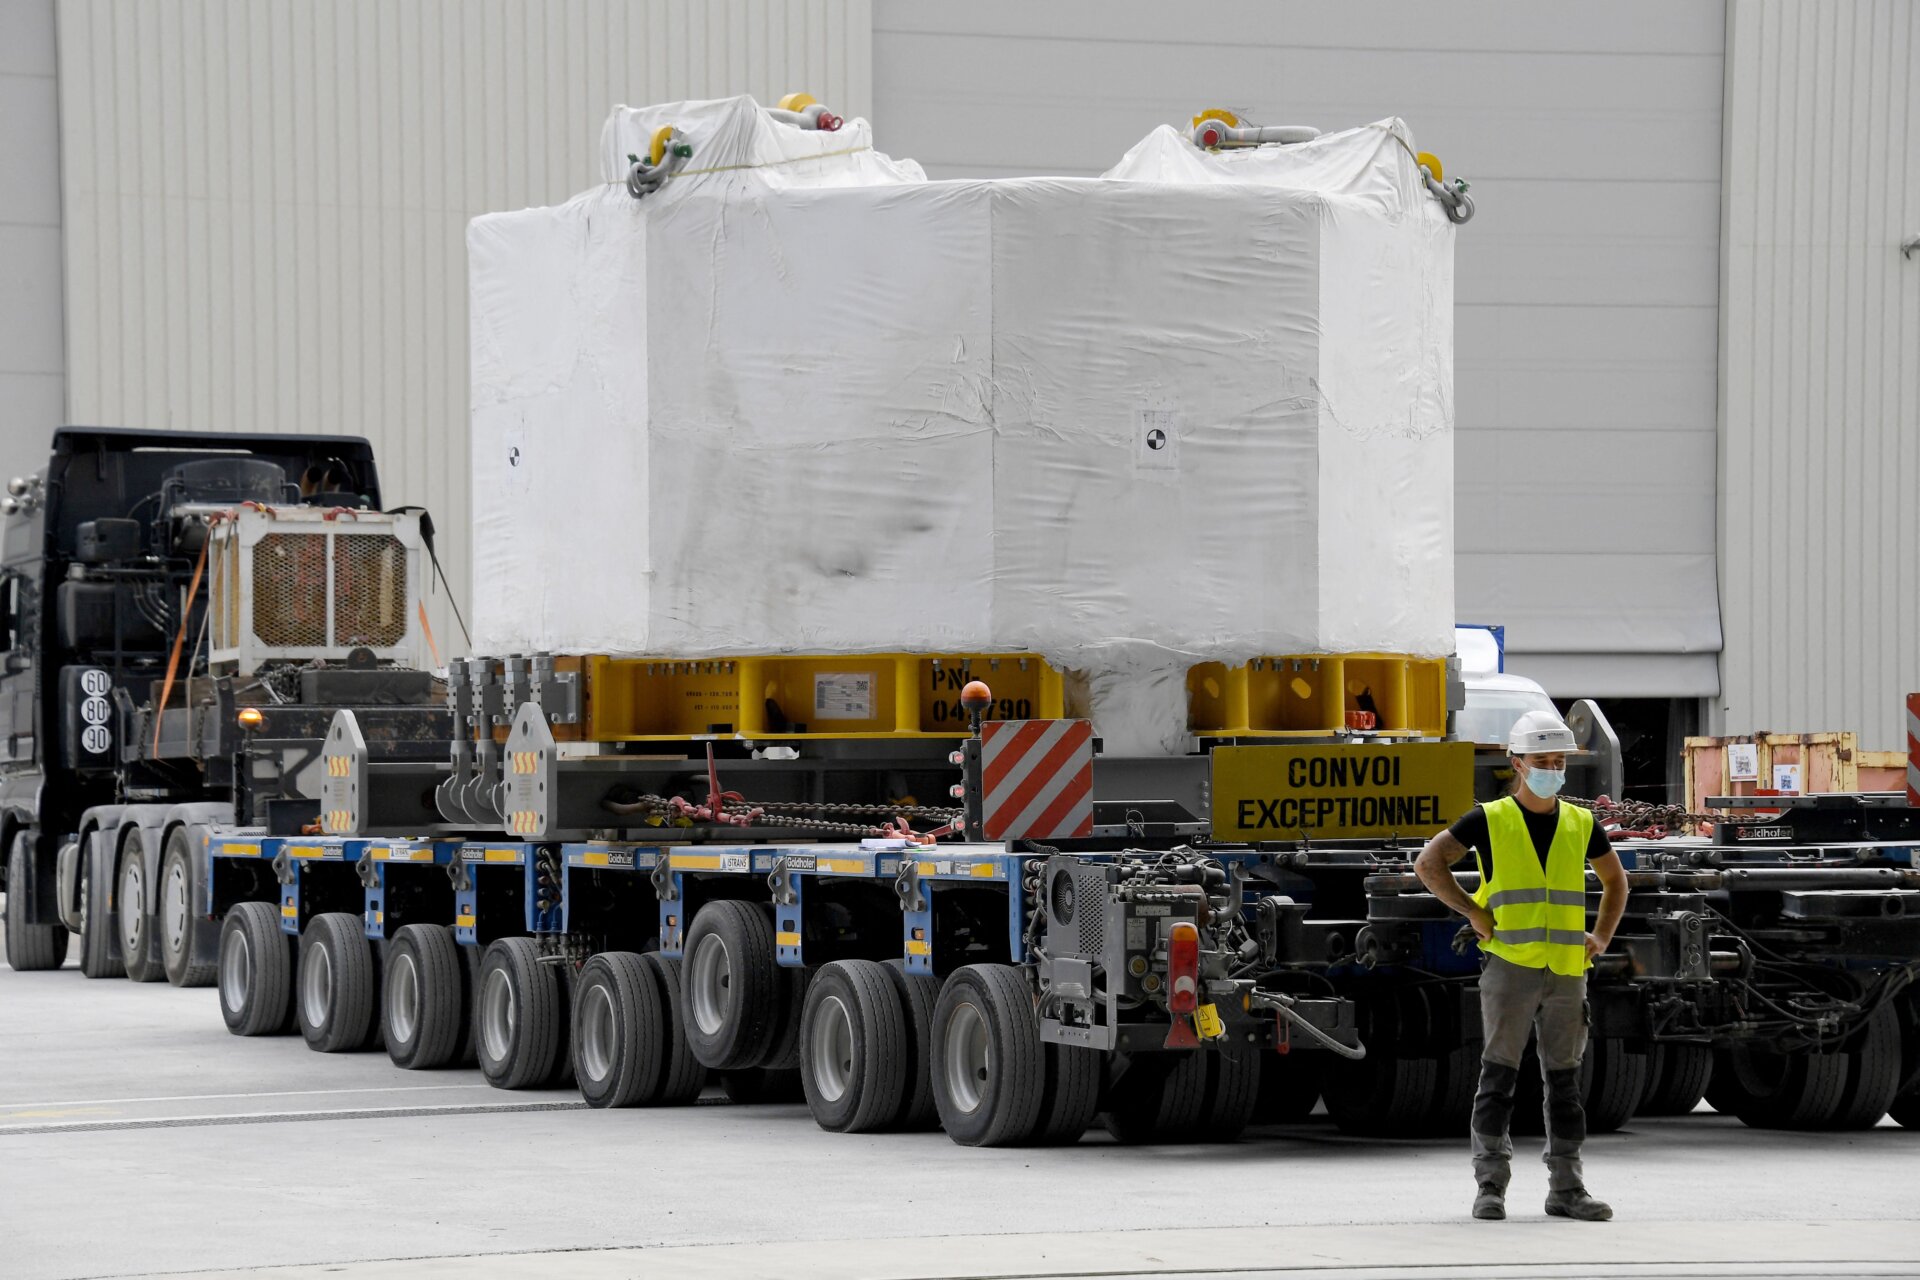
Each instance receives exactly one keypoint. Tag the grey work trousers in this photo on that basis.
(1513, 1000)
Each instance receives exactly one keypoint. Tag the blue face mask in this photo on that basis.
(1546, 783)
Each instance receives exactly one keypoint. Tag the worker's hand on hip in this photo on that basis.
(1482, 921)
(1594, 946)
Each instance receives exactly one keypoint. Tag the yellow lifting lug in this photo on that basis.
(797, 102)
(658, 151)
(1432, 165)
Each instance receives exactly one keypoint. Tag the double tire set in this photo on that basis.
(869, 1045)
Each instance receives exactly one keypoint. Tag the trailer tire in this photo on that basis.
(1613, 1077)
(759, 1086)
(1769, 1090)
(1381, 1095)
(1873, 1072)
(99, 948)
(1456, 1079)
(989, 1069)
(1677, 1077)
(181, 922)
(618, 1031)
(1071, 1101)
(1289, 1087)
(1159, 1097)
(918, 993)
(464, 1054)
(853, 1048)
(336, 987)
(732, 985)
(30, 947)
(784, 1053)
(255, 970)
(1233, 1091)
(420, 1007)
(517, 1011)
(683, 1077)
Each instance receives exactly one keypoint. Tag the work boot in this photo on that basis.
(1491, 1203)
(1572, 1204)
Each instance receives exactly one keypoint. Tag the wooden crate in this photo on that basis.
(1828, 762)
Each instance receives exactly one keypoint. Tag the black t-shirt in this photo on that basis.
(1471, 830)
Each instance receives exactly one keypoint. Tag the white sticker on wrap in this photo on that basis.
(843, 695)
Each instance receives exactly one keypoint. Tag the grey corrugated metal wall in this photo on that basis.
(32, 384)
(1820, 456)
(266, 201)
(1586, 287)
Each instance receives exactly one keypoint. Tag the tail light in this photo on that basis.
(1183, 968)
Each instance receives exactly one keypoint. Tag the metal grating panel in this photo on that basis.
(369, 590)
(290, 590)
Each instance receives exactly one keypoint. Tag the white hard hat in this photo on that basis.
(1538, 732)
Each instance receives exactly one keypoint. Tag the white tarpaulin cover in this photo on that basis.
(802, 400)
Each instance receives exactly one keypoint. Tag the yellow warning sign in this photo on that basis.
(1339, 792)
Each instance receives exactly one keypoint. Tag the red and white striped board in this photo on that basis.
(1037, 777)
(1913, 749)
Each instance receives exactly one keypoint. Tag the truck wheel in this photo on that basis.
(464, 1054)
(989, 1073)
(1160, 1097)
(336, 987)
(135, 909)
(517, 1015)
(256, 970)
(182, 923)
(758, 1086)
(1772, 1090)
(918, 992)
(618, 1031)
(1677, 1075)
(99, 948)
(1613, 1077)
(1381, 1095)
(1456, 1078)
(732, 985)
(1233, 1091)
(783, 1054)
(1289, 1086)
(683, 1077)
(30, 947)
(853, 1048)
(420, 1008)
(1873, 1072)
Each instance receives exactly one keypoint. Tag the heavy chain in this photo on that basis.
(1639, 815)
(789, 813)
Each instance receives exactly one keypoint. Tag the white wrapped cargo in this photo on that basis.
(801, 400)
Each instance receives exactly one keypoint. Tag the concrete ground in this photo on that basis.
(138, 1137)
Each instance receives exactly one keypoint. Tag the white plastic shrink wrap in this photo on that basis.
(802, 400)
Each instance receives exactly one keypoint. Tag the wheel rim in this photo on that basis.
(830, 1049)
(175, 898)
(712, 977)
(597, 1032)
(403, 997)
(133, 904)
(316, 985)
(497, 1015)
(236, 970)
(969, 1058)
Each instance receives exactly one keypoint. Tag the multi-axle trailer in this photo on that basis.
(534, 862)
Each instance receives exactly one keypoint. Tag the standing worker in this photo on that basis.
(1530, 913)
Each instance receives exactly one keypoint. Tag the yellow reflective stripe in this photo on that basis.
(786, 939)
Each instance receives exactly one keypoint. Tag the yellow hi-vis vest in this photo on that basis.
(1539, 913)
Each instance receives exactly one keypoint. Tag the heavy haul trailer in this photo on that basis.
(638, 964)
(186, 613)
